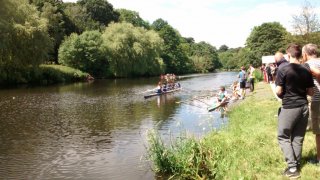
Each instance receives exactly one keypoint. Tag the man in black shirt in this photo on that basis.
(294, 82)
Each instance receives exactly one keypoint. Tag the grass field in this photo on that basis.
(245, 149)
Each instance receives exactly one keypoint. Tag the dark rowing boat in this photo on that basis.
(164, 92)
(217, 105)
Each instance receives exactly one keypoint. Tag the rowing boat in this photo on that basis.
(161, 93)
(217, 105)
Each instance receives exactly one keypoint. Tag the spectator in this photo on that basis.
(294, 82)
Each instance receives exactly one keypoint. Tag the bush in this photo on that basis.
(258, 75)
(187, 158)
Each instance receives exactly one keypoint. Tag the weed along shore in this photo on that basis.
(247, 148)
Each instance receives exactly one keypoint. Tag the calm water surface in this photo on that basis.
(96, 130)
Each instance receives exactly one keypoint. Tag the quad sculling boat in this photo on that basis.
(177, 87)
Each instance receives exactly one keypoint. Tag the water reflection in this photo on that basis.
(94, 130)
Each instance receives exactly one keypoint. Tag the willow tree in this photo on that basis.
(132, 51)
(24, 41)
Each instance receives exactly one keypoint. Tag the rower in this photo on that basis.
(222, 97)
(159, 88)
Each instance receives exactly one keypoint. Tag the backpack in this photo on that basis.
(244, 76)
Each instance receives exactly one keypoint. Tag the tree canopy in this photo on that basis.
(266, 39)
(100, 10)
(132, 17)
(84, 52)
(132, 51)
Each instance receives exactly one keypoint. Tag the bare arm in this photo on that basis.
(315, 73)
(279, 91)
(310, 91)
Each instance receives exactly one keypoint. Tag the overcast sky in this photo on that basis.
(217, 22)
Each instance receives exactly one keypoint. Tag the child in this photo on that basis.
(223, 97)
(235, 90)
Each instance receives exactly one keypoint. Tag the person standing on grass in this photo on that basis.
(294, 83)
(251, 77)
(269, 76)
(242, 80)
(309, 54)
(280, 60)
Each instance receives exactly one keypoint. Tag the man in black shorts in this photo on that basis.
(294, 82)
(242, 80)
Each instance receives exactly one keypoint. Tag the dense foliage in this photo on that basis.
(92, 36)
(24, 40)
(84, 52)
(133, 51)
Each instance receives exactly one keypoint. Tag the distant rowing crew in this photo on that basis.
(165, 85)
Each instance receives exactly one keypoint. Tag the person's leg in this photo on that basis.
(252, 84)
(318, 146)
(287, 119)
(315, 118)
(299, 131)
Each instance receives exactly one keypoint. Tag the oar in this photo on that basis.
(184, 102)
(147, 91)
(201, 101)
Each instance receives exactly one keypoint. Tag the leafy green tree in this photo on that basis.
(40, 3)
(205, 57)
(265, 39)
(132, 51)
(173, 55)
(223, 48)
(313, 37)
(55, 27)
(100, 10)
(133, 18)
(84, 52)
(78, 15)
(24, 40)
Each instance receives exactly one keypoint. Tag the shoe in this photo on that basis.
(291, 175)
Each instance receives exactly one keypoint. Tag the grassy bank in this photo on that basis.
(50, 74)
(42, 75)
(246, 149)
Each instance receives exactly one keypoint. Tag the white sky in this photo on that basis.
(217, 22)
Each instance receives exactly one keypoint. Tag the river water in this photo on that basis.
(97, 130)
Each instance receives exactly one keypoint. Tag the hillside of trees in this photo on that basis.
(45, 41)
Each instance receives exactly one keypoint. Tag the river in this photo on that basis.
(96, 130)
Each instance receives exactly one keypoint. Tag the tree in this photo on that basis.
(84, 52)
(223, 48)
(55, 28)
(133, 18)
(265, 39)
(100, 10)
(78, 15)
(173, 55)
(132, 51)
(24, 41)
(306, 21)
(205, 57)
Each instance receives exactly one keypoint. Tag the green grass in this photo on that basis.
(246, 149)
(50, 74)
(40, 75)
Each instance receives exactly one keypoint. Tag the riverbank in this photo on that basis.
(43, 75)
(246, 149)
